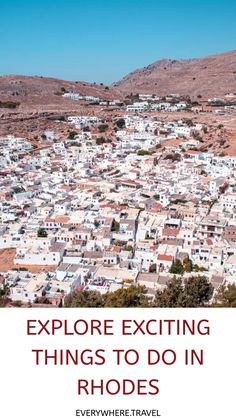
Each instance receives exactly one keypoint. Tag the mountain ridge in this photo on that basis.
(205, 76)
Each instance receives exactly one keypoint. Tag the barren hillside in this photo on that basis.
(37, 94)
(207, 76)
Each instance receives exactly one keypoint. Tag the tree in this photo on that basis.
(143, 153)
(193, 292)
(4, 299)
(42, 300)
(42, 232)
(129, 248)
(120, 123)
(174, 157)
(72, 135)
(133, 296)
(187, 264)
(84, 298)
(100, 140)
(198, 268)
(189, 123)
(17, 303)
(102, 127)
(225, 296)
(223, 188)
(153, 267)
(177, 268)
(2, 302)
(171, 295)
(197, 292)
(9, 104)
(115, 225)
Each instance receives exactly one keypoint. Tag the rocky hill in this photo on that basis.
(208, 77)
(37, 94)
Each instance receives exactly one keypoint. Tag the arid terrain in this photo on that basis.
(37, 93)
(38, 101)
(103, 187)
(208, 77)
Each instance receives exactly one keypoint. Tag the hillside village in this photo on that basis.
(129, 199)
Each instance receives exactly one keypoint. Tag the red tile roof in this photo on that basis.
(165, 257)
(170, 232)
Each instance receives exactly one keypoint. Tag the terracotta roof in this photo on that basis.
(170, 231)
(129, 182)
(59, 219)
(165, 257)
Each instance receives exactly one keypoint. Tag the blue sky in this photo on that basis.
(102, 40)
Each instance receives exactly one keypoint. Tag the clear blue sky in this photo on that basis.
(102, 40)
